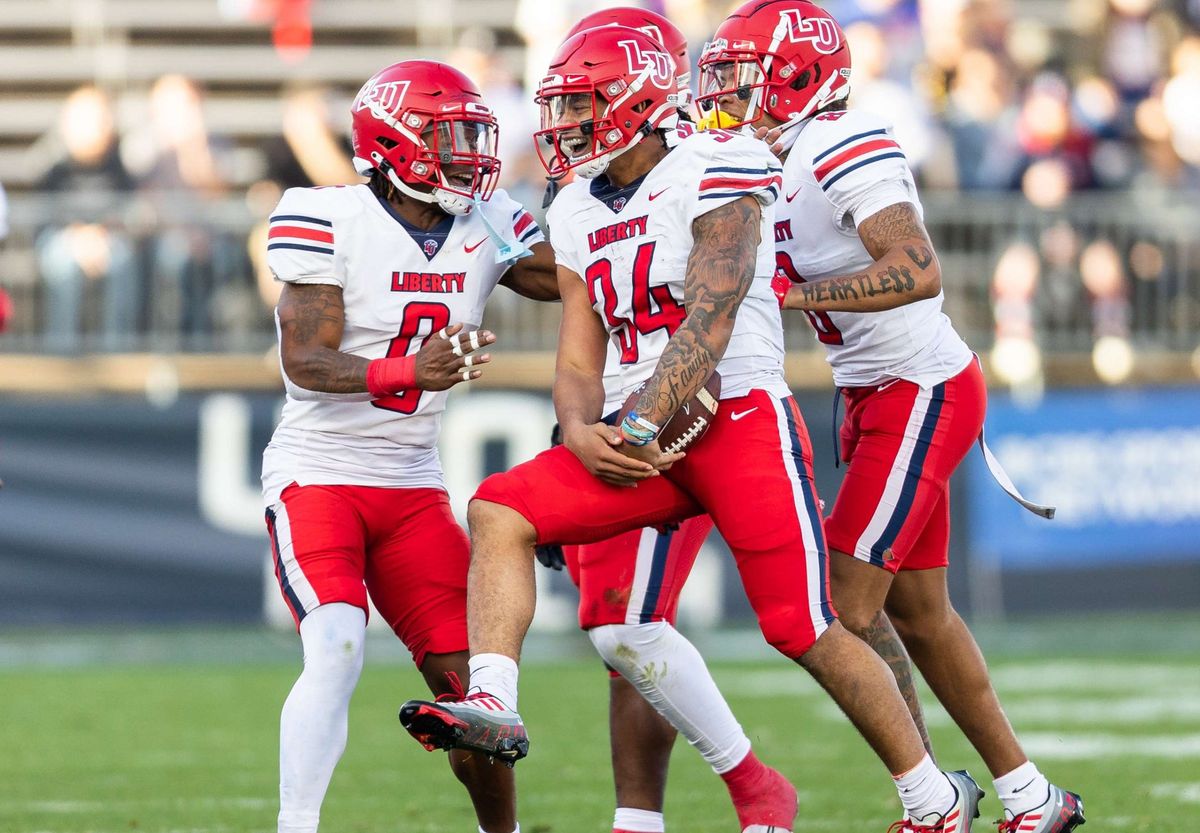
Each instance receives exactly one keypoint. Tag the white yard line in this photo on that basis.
(1097, 676)
(1188, 793)
(1077, 746)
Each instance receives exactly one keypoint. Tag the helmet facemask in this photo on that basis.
(451, 157)
(579, 131)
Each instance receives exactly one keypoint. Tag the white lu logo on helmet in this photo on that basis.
(653, 31)
(660, 64)
(387, 96)
(819, 31)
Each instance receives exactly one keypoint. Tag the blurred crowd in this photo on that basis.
(1045, 100)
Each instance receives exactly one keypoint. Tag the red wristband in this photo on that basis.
(780, 285)
(388, 376)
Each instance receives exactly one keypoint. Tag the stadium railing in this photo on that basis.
(195, 289)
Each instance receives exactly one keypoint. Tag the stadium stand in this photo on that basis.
(1048, 137)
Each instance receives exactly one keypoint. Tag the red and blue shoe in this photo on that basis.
(1061, 812)
(477, 722)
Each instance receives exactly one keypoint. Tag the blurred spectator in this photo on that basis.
(313, 149)
(520, 173)
(894, 98)
(316, 135)
(86, 248)
(981, 117)
(1133, 47)
(180, 170)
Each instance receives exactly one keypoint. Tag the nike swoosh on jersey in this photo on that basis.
(736, 415)
(653, 197)
(469, 249)
(792, 195)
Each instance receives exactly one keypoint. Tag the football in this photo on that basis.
(689, 423)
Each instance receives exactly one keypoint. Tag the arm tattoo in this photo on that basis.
(885, 228)
(720, 270)
(882, 637)
(311, 317)
(922, 258)
(897, 279)
(897, 240)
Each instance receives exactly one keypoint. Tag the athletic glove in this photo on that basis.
(551, 555)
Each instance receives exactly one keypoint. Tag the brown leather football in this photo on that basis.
(689, 423)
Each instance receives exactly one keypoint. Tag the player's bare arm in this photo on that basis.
(720, 271)
(311, 319)
(579, 393)
(905, 270)
(534, 277)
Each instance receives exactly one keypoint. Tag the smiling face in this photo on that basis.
(572, 117)
(464, 151)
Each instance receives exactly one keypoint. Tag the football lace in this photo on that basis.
(687, 436)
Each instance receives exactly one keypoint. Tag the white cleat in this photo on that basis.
(955, 820)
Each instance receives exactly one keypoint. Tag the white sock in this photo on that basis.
(638, 821)
(496, 675)
(312, 728)
(925, 790)
(672, 676)
(1022, 789)
(516, 830)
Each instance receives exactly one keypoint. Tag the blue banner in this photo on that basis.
(1122, 466)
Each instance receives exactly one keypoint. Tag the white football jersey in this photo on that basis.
(844, 167)
(399, 286)
(630, 246)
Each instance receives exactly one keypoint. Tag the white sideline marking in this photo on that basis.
(1085, 711)
(1182, 682)
(1093, 676)
(1065, 746)
(62, 806)
(1186, 793)
(1144, 709)
(75, 806)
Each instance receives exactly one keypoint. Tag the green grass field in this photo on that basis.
(179, 733)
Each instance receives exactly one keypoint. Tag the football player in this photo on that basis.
(641, 739)
(384, 286)
(853, 254)
(669, 252)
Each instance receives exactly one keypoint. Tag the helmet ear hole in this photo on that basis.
(801, 80)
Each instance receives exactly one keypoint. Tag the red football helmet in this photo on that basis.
(425, 127)
(663, 31)
(787, 58)
(606, 88)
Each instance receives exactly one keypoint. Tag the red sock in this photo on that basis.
(761, 795)
(744, 779)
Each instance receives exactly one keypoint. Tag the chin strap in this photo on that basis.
(553, 186)
(448, 201)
